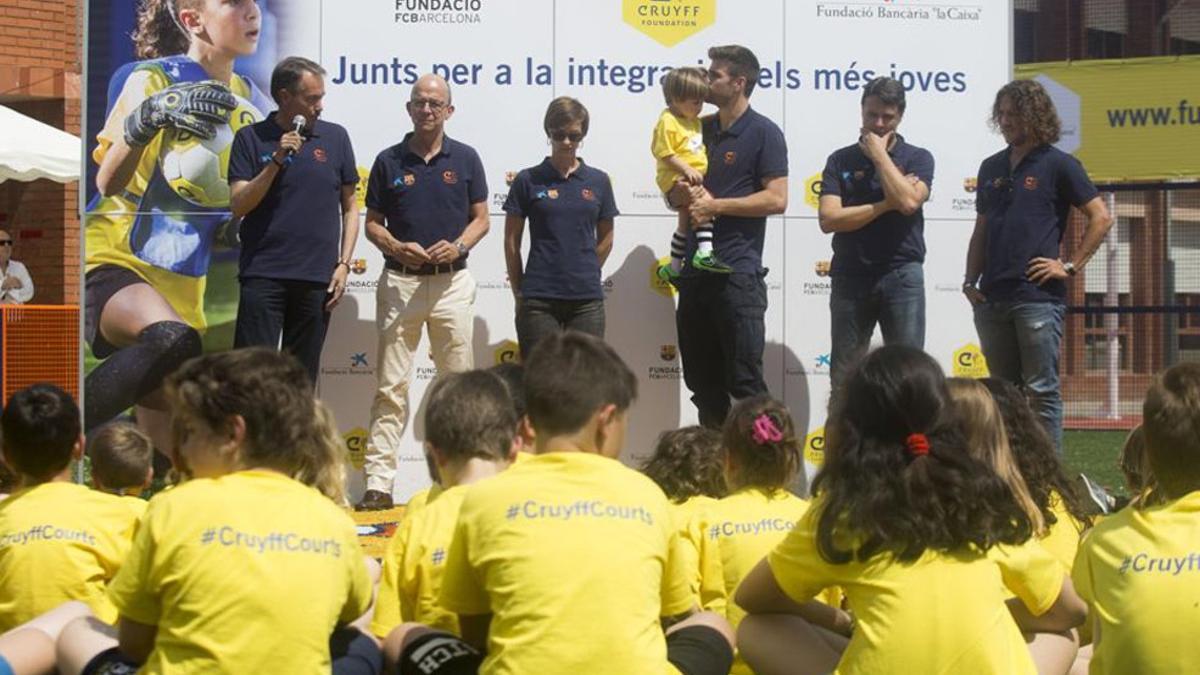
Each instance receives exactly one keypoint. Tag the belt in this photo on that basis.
(428, 269)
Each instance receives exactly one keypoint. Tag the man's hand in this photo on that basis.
(1041, 270)
(337, 285)
(873, 146)
(704, 207)
(194, 107)
(442, 253)
(410, 253)
(289, 144)
(11, 283)
(974, 295)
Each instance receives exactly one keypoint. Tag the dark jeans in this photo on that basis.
(295, 310)
(721, 338)
(1020, 341)
(895, 300)
(540, 317)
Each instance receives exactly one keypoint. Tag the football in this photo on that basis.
(195, 168)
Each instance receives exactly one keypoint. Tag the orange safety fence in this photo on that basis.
(39, 343)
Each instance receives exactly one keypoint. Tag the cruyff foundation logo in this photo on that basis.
(969, 362)
(669, 22)
(507, 352)
(814, 447)
(657, 284)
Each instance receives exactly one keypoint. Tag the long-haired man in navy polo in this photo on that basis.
(426, 208)
(720, 318)
(296, 191)
(871, 198)
(1016, 280)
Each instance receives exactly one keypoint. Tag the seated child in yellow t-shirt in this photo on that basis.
(469, 435)
(921, 536)
(1139, 569)
(568, 562)
(762, 457)
(678, 148)
(122, 462)
(248, 566)
(59, 541)
(689, 465)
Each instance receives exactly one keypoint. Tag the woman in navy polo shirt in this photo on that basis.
(570, 209)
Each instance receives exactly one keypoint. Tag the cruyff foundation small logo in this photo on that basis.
(669, 22)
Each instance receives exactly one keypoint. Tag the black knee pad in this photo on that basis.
(164, 346)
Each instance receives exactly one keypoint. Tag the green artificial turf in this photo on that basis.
(1095, 454)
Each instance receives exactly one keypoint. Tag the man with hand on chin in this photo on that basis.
(294, 189)
(1015, 278)
(426, 207)
(872, 194)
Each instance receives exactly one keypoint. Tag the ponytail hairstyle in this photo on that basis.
(287, 430)
(897, 477)
(1034, 453)
(760, 441)
(987, 441)
(159, 32)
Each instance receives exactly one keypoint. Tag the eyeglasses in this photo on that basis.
(421, 104)
(561, 136)
(6, 242)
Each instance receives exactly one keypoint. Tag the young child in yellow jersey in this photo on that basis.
(1139, 569)
(762, 457)
(59, 541)
(469, 434)
(689, 465)
(250, 565)
(921, 536)
(678, 148)
(122, 462)
(568, 562)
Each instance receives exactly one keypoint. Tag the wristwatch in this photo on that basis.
(462, 248)
(1070, 268)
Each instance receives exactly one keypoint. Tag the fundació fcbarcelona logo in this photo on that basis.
(669, 22)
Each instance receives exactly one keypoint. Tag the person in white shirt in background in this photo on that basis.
(16, 288)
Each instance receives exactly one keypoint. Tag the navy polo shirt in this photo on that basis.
(893, 238)
(426, 202)
(741, 159)
(562, 214)
(295, 232)
(1025, 212)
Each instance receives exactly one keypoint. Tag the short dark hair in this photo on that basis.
(571, 375)
(121, 455)
(512, 374)
(563, 112)
(743, 63)
(41, 426)
(288, 72)
(1171, 420)
(469, 415)
(687, 463)
(887, 90)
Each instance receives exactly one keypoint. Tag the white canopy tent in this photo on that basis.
(30, 150)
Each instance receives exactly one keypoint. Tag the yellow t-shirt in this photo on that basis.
(682, 138)
(422, 499)
(1062, 541)
(941, 614)
(413, 565)
(246, 573)
(110, 220)
(735, 534)
(575, 557)
(58, 542)
(686, 517)
(1139, 571)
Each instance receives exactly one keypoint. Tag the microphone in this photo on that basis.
(298, 123)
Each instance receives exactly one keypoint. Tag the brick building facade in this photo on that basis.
(41, 63)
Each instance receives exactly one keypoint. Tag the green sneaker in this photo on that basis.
(709, 263)
(666, 273)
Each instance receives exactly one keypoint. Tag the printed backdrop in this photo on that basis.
(506, 60)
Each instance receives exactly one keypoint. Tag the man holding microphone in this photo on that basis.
(292, 179)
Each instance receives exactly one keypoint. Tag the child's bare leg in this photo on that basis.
(1053, 653)
(81, 641)
(1083, 661)
(788, 645)
(29, 648)
(713, 647)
